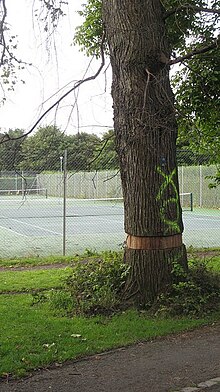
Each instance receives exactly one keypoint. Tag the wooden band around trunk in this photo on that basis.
(154, 243)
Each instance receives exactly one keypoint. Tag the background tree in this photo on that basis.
(81, 150)
(11, 151)
(198, 105)
(105, 157)
(42, 150)
(144, 39)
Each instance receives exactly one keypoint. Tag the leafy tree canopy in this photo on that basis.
(11, 151)
(42, 150)
(191, 27)
(106, 157)
(81, 150)
(198, 105)
(183, 20)
(45, 148)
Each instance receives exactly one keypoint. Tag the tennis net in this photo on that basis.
(52, 207)
(112, 206)
(23, 193)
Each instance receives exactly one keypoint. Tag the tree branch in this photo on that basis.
(2, 29)
(195, 52)
(194, 8)
(76, 85)
(101, 150)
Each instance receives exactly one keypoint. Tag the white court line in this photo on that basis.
(29, 224)
(215, 218)
(37, 227)
(13, 231)
(28, 203)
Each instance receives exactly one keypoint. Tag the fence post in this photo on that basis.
(64, 200)
(200, 186)
(97, 185)
(191, 201)
(73, 186)
(61, 173)
(182, 183)
(106, 184)
(16, 181)
(22, 185)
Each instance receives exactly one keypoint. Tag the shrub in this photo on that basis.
(61, 301)
(194, 294)
(93, 286)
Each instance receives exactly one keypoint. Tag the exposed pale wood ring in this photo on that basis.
(154, 243)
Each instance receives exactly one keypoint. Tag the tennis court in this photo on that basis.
(31, 227)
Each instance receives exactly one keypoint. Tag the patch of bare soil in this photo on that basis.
(206, 254)
(36, 267)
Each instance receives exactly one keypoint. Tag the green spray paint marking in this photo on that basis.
(168, 180)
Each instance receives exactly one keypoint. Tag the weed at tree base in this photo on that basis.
(95, 287)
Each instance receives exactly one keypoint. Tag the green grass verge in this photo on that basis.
(212, 262)
(32, 337)
(50, 260)
(34, 261)
(207, 253)
(45, 279)
(32, 280)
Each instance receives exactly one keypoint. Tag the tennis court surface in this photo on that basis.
(32, 227)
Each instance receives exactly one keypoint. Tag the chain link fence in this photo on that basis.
(107, 184)
(64, 211)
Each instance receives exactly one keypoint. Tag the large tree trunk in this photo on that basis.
(146, 131)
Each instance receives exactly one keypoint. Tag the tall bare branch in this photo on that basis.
(195, 52)
(2, 29)
(191, 7)
(76, 85)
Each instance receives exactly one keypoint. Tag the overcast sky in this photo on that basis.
(56, 64)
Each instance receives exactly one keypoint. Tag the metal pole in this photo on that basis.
(106, 184)
(64, 200)
(200, 186)
(16, 182)
(22, 185)
(97, 185)
(61, 165)
(61, 173)
(191, 201)
(182, 183)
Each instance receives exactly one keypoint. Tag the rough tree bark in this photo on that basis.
(146, 131)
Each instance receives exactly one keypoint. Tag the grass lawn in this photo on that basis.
(212, 259)
(34, 261)
(212, 255)
(33, 337)
(32, 280)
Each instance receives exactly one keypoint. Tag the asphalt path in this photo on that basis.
(187, 362)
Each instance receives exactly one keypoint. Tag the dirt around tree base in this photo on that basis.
(161, 365)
